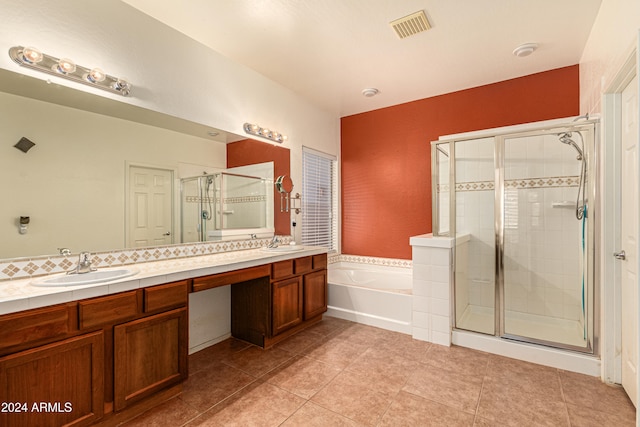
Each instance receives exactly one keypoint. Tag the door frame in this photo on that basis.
(610, 228)
(175, 195)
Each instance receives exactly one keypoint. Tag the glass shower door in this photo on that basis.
(473, 222)
(543, 285)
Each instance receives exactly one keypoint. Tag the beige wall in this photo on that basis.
(612, 39)
(72, 183)
(170, 72)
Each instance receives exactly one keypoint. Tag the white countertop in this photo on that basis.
(19, 295)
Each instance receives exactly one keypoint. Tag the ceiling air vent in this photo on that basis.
(410, 24)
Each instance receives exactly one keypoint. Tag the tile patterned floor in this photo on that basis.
(339, 373)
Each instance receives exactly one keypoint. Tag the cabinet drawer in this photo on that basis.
(166, 296)
(37, 325)
(282, 269)
(110, 309)
(302, 265)
(223, 279)
(320, 262)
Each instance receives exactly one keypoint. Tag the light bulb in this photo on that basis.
(32, 55)
(65, 66)
(122, 85)
(96, 75)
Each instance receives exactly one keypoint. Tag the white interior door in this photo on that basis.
(629, 239)
(150, 216)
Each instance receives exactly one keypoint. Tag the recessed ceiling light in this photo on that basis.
(370, 91)
(213, 133)
(525, 49)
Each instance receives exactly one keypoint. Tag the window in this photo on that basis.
(319, 200)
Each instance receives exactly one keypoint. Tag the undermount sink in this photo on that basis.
(284, 248)
(98, 276)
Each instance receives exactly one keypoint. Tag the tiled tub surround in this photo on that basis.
(372, 291)
(20, 294)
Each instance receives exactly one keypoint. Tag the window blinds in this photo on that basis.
(319, 200)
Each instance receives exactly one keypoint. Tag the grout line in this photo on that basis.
(564, 399)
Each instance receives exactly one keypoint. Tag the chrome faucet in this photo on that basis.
(275, 242)
(84, 264)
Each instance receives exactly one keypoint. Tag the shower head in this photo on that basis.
(565, 138)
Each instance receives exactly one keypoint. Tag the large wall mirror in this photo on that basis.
(73, 184)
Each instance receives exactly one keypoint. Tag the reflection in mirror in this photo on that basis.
(78, 183)
(248, 152)
(228, 205)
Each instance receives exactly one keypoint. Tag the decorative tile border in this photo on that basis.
(23, 268)
(245, 199)
(385, 262)
(239, 199)
(515, 184)
(475, 186)
(547, 182)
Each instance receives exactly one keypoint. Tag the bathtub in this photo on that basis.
(374, 295)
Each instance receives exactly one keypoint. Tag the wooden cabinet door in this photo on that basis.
(287, 304)
(315, 294)
(58, 384)
(149, 354)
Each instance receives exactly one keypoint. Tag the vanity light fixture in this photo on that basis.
(31, 57)
(253, 129)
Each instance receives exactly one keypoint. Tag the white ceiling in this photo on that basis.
(328, 51)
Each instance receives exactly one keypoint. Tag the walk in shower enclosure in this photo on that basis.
(225, 206)
(520, 203)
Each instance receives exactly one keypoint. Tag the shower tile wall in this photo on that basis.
(190, 211)
(475, 277)
(542, 243)
(244, 203)
(443, 191)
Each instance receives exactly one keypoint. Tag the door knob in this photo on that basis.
(620, 255)
(168, 233)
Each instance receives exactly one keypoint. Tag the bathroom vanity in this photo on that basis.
(103, 359)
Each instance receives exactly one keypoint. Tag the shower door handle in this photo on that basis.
(620, 255)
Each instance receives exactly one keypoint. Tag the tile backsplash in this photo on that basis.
(22, 268)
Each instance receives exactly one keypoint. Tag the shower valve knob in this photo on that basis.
(620, 255)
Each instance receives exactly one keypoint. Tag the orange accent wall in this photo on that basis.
(248, 152)
(386, 153)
